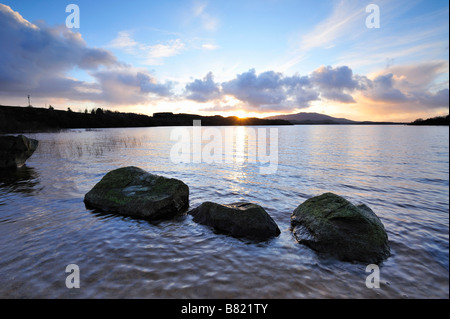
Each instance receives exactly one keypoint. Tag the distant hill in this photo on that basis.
(311, 118)
(316, 118)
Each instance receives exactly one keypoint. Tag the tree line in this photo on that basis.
(33, 119)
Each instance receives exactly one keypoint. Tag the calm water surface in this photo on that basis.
(401, 172)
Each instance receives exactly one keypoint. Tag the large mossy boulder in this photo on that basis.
(246, 220)
(330, 224)
(15, 150)
(134, 192)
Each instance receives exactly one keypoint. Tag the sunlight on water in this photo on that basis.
(401, 172)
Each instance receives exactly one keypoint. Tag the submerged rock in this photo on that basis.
(329, 223)
(134, 192)
(15, 150)
(238, 219)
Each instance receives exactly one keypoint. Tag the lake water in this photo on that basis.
(401, 172)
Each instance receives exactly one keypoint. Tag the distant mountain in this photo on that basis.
(311, 118)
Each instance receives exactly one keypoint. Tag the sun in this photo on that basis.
(240, 114)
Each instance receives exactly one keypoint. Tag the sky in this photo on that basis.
(243, 58)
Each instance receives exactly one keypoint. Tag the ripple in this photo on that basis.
(45, 226)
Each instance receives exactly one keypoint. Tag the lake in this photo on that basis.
(400, 172)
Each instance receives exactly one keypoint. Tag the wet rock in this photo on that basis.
(238, 219)
(134, 192)
(15, 150)
(330, 224)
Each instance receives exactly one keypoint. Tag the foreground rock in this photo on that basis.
(15, 150)
(329, 223)
(239, 220)
(134, 192)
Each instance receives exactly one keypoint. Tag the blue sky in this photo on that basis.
(256, 58)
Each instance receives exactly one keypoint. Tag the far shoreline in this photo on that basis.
(29, 119)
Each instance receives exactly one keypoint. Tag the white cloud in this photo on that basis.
(209, 46)
(156, 53)
(123, 40)
(343, 21)
(199, 13)
(149, 54)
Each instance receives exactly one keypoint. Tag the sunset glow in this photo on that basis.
(234, 58)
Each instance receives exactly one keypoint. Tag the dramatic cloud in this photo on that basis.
(129, 86)
(404, 87)
(335, 83)
(36, 59)
(42, 61)
(203, 90)
(270, 90)
(274, 91)
(412, 85)
(383, 90)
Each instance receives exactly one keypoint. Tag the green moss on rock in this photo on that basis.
(329, 223)
(135, 192)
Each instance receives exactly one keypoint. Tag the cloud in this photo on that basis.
(31, 52)
(155, 53)
(129, 86)
(404, 87)
(336, 83)
(123, 40)
(411, 85)
(37, 60)
(268, 90)
(273, 89)
(199, 13)
(209, 46)
(383, 90)
(434, 100)
(344, 20)
(203, 90)
(149, 54)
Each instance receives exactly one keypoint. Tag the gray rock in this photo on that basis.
(15, 150)
(134, 192)
(330, 224)
(238, 219)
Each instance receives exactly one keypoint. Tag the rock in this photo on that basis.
(134, 192)
(330, 224)
(15, 150)
(238, 219)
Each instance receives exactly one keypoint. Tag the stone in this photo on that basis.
(330, 224)
(15, 150)
(242, 219)
(131, 191)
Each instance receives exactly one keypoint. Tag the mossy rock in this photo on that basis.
(331, 224)
(246, 220)
(134, 192)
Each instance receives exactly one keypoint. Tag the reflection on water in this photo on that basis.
(23, 180)
(401, 172)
